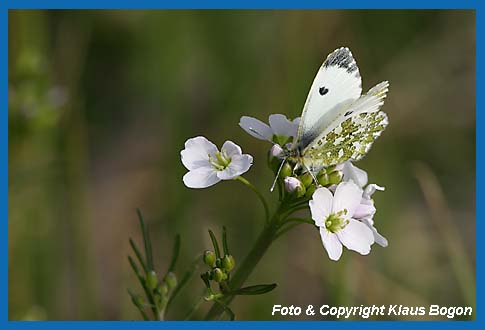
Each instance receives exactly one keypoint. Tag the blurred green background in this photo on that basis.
(101, 103)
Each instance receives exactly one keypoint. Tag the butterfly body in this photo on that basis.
(338, 123)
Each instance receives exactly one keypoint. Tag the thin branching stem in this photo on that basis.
(258, 193)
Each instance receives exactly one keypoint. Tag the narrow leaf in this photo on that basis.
(224, 241)
(146, 240)
(255, 289)
(140, 308)
(175, 253)
(216, 245)
(138, 255)
(148, 292)
(229, 312)
(185, 279)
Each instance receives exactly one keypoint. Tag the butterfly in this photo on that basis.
(338, 123)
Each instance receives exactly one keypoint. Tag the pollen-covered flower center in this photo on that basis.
(336, 222)
(220, 161)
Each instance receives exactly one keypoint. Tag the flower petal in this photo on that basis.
(201, 178)
(371, 189)
(196, 153)
(239, 165)
(347, 196)
(331, 243)
(256, 128)
(356, 236)
(378, 238)
(352, 172)
(321, 205)
(281, 125)
(231, 149)
(365, 210)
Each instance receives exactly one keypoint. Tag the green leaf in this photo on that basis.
(175, 253)
(255, 289)
(146, 240)
(224, 241)
(134, 300)
(148, 292)
(229, 311)
(185, 279)
(138, 255)
(216, 245)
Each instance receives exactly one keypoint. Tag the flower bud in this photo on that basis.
(323, 178)
(276, 152)
(228, 262)
(335, 177)
(152, 280)
(310, 190)
(217, 275)
(209, 258)
(171, 280)
(293, 185)
(306, 179)
(162, 289)
(330, 169)
(219, 262)
(286, 170)
(138, 301)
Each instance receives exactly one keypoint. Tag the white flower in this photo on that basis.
(279, 125)
(207, 165)
(334, 214)
(366, 210)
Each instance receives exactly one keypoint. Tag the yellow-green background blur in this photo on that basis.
(101, 103)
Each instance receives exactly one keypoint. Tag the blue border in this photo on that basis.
(5, 5)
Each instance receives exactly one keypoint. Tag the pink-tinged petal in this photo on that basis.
(321, 205)
(256, 128)
(347, 196)
(201, 178)
(356, 236)
(364, 210)
(352, 172)
(281, 125)
(240, 164)
(196, 152)
(231, 149)
(371, 189)
(378, 238)
(331, 243)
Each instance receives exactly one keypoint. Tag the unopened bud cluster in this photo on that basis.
(298, 183)
(220, 267)
(161, 289)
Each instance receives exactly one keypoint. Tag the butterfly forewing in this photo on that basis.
(336, 86)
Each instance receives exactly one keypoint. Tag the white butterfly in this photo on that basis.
(338, 123)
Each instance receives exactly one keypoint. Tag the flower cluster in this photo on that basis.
(339, 197)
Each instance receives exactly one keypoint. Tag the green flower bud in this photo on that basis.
(323, 178)
(335, 177)
(152, 280)
(310, 190)
(228, 263)
(171, 280)
(286, 170)
(306, 179)
(330, 169)
(138, 301)
(219, 262)
(162, 289)
(209, 258)
(218, 275)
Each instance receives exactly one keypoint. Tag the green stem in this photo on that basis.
(267, 236)
(260, 196)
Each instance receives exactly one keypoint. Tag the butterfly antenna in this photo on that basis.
(277, 174)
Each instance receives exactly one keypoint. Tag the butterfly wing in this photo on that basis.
(336, 86)
(352, 133)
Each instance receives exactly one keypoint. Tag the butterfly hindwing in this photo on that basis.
(350, 139)
(336, 86)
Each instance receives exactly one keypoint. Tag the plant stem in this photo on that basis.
(267, 236)
(258, 193)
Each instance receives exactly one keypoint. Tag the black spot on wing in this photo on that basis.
(348, 113)
(323, 90)
(342, 58)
